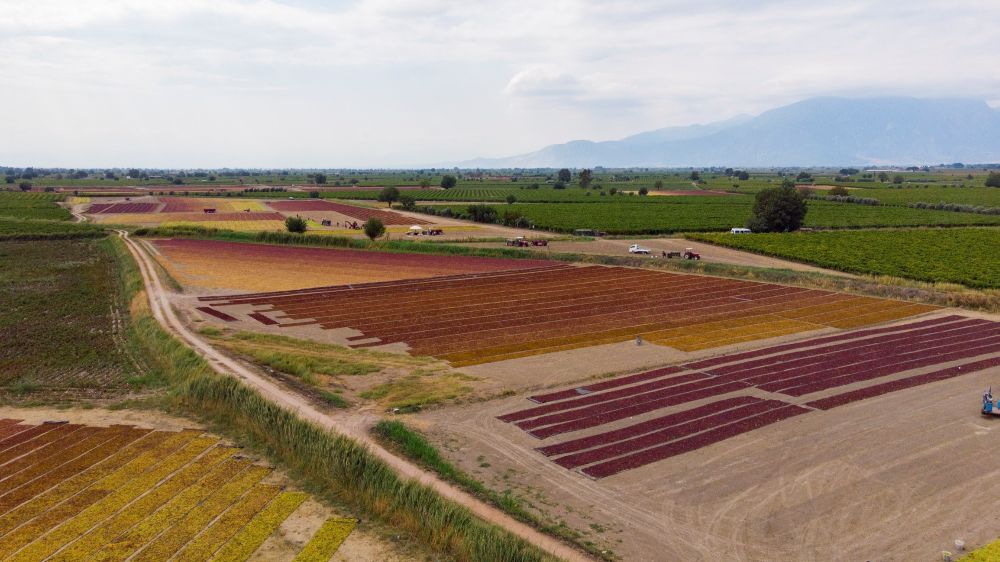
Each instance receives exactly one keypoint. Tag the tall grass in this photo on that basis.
(332, 464)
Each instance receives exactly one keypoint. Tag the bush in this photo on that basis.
(449, 181)
(296, 224)
(838, 190)
(779, 209)
(314, 195)
(408, 202)
(643, 191)
(374, 228)
(482, 213)
(992, 180)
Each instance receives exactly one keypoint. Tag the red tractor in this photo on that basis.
(690, 254)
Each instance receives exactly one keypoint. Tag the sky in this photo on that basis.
(398, 83)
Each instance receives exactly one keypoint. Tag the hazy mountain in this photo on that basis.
(816, 132)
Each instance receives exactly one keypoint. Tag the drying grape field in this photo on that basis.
(485, 317)
(250, 267)
(928, 351)
(77, 492)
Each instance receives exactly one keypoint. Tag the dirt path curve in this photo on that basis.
(160, 304)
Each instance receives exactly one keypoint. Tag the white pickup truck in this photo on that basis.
(637, 249)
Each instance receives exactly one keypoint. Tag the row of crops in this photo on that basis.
(75, 492)
(693, 214)
(964, 255)
(32, 206)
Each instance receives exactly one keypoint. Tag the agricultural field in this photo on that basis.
(931, 351)
(54, 292)
(17, 229)
(215, 264)
(72, 491)
(486, 317)
(796, 434)
(32, 206)
(654, 215)
(965, 256)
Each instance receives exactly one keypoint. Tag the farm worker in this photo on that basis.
(638, 340)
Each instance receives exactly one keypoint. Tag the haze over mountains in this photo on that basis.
(825, 131)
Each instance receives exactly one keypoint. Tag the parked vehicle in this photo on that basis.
(740, 231)
(637, 249)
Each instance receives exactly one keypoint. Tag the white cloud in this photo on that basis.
(365, 81)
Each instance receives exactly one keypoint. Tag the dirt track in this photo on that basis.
(709, 253)
(353, 426)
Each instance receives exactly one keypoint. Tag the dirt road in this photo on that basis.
(351, 426)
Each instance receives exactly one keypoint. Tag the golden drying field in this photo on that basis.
(78, 492)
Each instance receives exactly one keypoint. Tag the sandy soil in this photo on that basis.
(709, 253)
(889, 478)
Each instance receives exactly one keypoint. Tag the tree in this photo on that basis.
(25, 186)
(898, 179)
(565, 176)
(10, 179)
(388, 195)
(643, 191)
(559, 185)
(178, 181)
(408, 202)
(296, 224)
(839, 190)
(482, 213)
(883, 177)
(804, 176)
(374, 228)
(695, 176)
(449, 181)
(320, 178)
(585, 177)
(314, 195)
(613, 190)
(743, 175)
(778, 209)
(425, 183)
(511, 199)
(993, 180)
(658, 185)
(729, 172)
(848, 171)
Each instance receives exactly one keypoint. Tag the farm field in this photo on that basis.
(261, 267)
(32, 206)
(929, 351)
(754, 454)
(678, 214)
(954, 255)
(72, 491)
(54, 291)
(487, 317)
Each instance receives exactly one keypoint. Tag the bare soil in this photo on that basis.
(893, 478)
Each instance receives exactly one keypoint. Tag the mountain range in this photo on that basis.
(825, 131)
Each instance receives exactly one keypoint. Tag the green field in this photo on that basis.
(32, 206)
(967, 256)
(63, 325)
(635, 215)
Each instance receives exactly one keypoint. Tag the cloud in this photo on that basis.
(504, 75)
